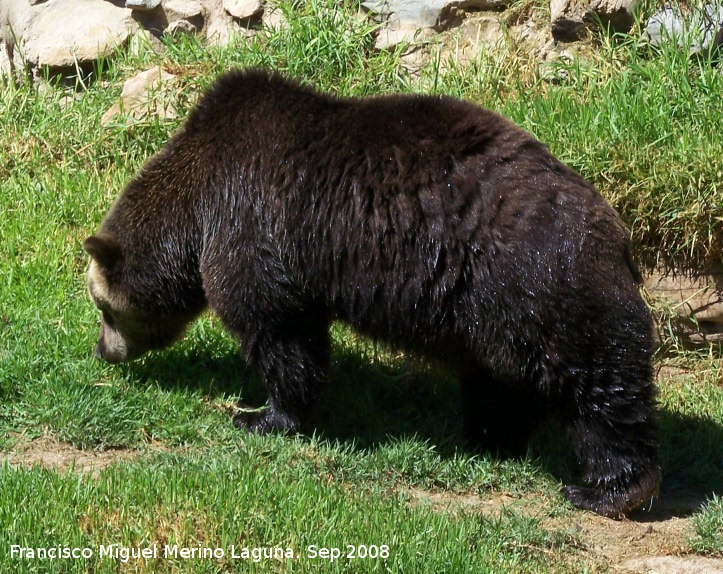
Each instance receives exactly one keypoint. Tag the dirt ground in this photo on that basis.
(48, 453)
(654, 542)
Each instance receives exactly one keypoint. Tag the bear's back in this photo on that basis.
(404, 192)
(272, 113)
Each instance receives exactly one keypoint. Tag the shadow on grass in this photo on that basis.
(371, 402)
(692, 458)
(215, 375)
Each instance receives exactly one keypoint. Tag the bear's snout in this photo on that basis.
(102, 353)
(112, 347)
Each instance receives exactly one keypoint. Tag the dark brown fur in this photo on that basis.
(426, 222)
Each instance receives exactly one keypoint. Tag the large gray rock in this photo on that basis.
(410, 20)
(698, 30)
(61, 33)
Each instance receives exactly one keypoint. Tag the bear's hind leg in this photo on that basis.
(294, 364)
(499, 416)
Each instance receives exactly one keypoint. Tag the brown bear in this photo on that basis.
(424, 221)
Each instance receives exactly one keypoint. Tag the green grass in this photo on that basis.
(709, 528)
(222, 499)
(642, 124)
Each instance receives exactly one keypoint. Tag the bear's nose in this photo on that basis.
(98, 352)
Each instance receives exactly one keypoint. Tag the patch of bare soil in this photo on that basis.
(651, 541)
(48, 453)
(648, 542)
(451, 502)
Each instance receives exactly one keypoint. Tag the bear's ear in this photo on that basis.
(105, 249)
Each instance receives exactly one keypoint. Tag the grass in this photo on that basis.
(223, 501)
(642, 124)
(709, 528)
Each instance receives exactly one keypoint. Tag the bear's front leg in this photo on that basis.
(614, 434)
(294, 363)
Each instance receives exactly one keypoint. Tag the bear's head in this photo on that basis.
(134, 315)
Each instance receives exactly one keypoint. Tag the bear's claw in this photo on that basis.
(263, 420)
(613, 501)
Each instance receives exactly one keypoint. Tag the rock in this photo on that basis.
(697, 301)
(67, 101)
(390, 36)
(182, 9)
(700, 297)
(537, 40)
(220, 26)
(15, 16)
(61, 34)
(143, 5)
(406, 17)
(550, 55)
(183, 16)
(7, 66)
(180, 27)
(699, 31)
(493, 34)
(172, 17)
(484, 31)
(571, 20)
(243, 9)
(425, 13)
(274, 18)
(619, 15)
(143, 95)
